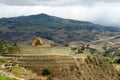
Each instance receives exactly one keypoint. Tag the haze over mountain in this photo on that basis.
(63, 31)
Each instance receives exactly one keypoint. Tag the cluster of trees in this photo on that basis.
(84, 47)
(111, 54)
(111, 51)
(3, 47)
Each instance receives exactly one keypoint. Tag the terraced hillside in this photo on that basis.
(67, 67)
(49, 50)
(38, 50)
(38, 62)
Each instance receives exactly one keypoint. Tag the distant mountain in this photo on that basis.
(63, 31)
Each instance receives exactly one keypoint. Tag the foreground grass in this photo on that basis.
(3, 77)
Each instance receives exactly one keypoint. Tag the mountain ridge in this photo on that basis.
(52, 28)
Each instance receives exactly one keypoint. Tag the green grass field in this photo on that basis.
(3, 77)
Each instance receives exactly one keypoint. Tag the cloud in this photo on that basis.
(55, 2)
(18, 2)
(104, 14)
(14, 11)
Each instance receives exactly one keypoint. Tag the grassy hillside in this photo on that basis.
(26, 28)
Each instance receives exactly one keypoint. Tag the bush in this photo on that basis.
(46, 71)
(109, 59)
(117, 60)
(2, 60)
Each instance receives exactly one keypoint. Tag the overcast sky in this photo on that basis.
(105, 12)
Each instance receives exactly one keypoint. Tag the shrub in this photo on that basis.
(73, 68)
(117, 60)
(46, 72)
(109, 59)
